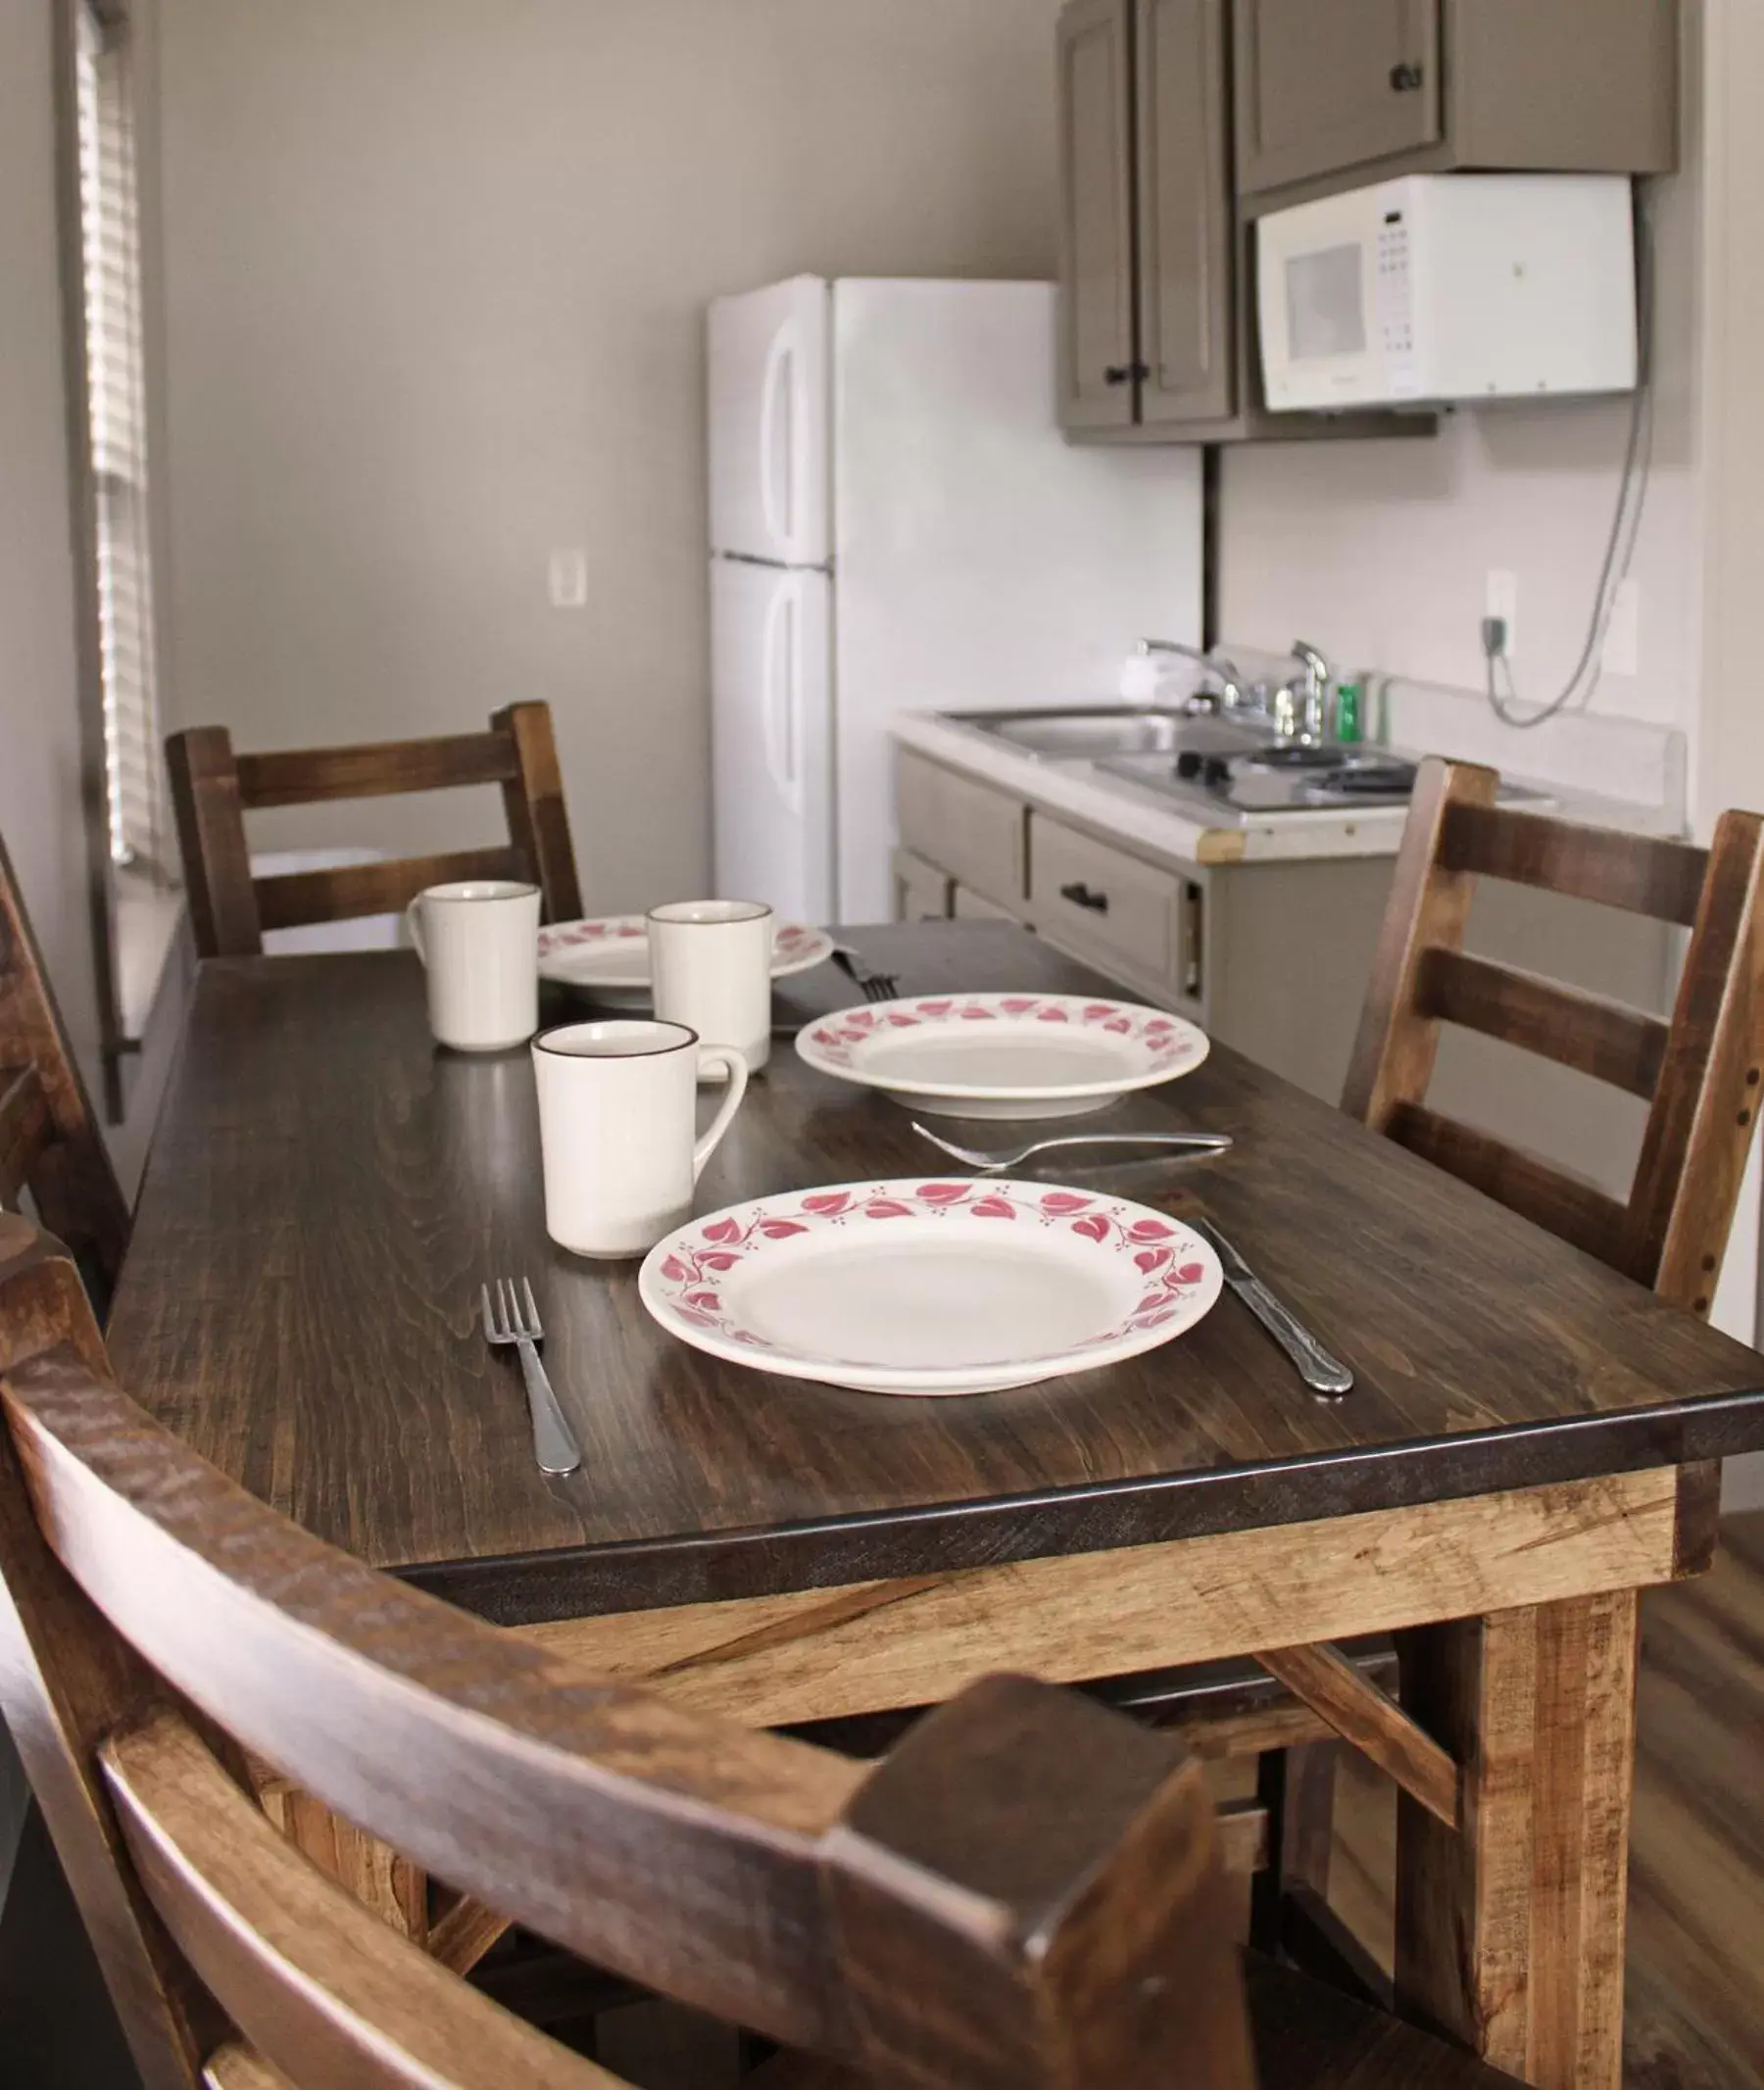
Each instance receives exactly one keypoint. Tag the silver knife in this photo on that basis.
(1326, 1375)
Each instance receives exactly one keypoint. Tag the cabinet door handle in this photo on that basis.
(1406, 78)
(1124, 373)
(1081, 896)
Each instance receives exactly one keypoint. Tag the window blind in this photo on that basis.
(115, 393)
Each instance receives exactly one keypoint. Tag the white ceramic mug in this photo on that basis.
(478, 941)
(618, 1110)
(711, 969)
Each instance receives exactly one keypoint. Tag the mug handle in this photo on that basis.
(712, 1057)
(414, 923)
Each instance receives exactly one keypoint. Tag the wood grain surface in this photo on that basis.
(768, 1661)
(327, 1191)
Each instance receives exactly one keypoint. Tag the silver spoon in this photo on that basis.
(1192, 1143)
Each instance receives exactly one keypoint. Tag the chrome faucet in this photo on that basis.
(1229, 691)
(1311, 690)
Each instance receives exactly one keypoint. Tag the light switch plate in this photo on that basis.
(566, 574)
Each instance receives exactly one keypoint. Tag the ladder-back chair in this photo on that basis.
(1023, 1896)
(213, 788)
(1698, 1072)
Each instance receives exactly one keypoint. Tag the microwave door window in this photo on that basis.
(1325, 305)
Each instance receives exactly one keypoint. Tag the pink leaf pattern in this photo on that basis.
(1162, 1254)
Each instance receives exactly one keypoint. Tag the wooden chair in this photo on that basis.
(1700, 1074)
(1025, 1893)
(213, 788)
(50, 1144)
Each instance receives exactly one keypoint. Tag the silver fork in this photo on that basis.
(1182, 1143)
(874, 985)
(553, 1444)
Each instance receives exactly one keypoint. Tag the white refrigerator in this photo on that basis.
(897, 524)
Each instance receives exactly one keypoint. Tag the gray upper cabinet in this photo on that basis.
(1096, 355)
(1335, 93)
(1327, 83)
(1185, 222)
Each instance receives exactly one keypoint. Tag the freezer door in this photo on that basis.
(767, 364)
(770, 717)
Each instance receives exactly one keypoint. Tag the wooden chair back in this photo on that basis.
(213, 788)
(1023, 1896)
(1700, 1074)
(50, 1144)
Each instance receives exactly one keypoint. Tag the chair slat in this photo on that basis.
(1573, 1211)
(234, 2067)
(1586, 1032)
(25, 1128)
(324, 1991)
(383, 769)
(1643, 874)
(345, 892)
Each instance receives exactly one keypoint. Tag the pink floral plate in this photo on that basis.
(1003, 1056)
(927, 1287)
(612, 952)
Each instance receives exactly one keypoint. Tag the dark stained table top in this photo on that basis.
(326, 1191)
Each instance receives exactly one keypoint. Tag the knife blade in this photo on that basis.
(1326, 1375)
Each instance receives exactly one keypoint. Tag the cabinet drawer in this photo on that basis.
(964, 828)
(1099, 898)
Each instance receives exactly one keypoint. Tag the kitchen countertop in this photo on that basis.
(1117, 806)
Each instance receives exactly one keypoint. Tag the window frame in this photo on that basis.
(134, 909)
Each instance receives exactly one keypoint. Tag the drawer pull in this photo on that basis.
(1081, 896)
(1406, 78)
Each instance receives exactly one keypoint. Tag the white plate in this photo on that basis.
(1003, 1056)
(922, 1286)
(612, 952)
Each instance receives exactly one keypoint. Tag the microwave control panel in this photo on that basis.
(1396, 305)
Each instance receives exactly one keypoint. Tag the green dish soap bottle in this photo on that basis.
(1348, 722)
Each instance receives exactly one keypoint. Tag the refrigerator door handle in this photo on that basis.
(782, 682)
(777, 431)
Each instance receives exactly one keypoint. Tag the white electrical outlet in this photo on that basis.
(566, 573)
(1622, 655)
(1502, 601)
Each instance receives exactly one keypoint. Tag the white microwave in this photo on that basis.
(1443, 287)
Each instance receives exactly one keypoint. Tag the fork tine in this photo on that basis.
(505, 1299)
(489, 1317)
(532, 1310)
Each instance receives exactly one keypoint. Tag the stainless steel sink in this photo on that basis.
(1095, 733)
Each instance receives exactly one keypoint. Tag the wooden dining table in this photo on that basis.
(1529, 1444)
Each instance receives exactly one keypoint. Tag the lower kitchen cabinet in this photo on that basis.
(967, 829)
(1273, 958)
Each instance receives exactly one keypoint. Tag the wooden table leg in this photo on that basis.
(1510, 1934)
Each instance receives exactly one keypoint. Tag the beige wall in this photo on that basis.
(435, 278)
